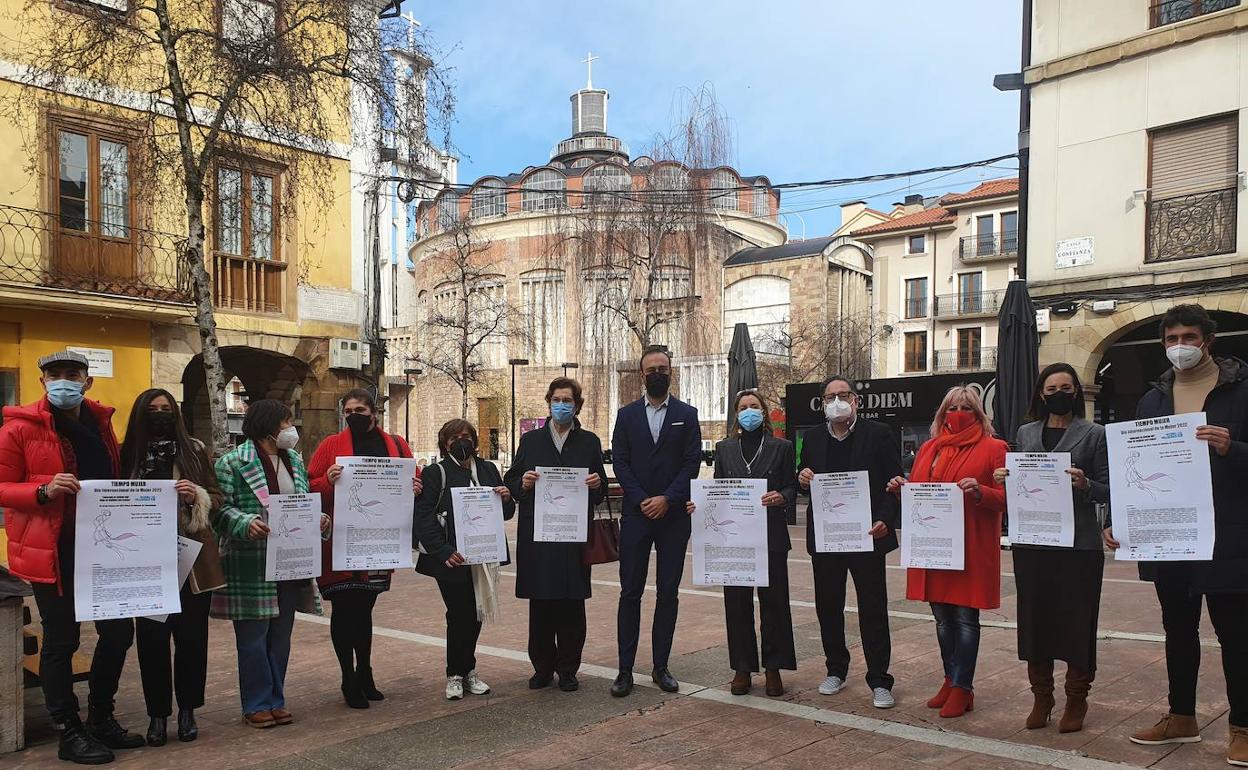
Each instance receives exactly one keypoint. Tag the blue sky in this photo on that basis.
(814, 89)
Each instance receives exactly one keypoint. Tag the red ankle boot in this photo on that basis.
(960, 701)
(940, 697)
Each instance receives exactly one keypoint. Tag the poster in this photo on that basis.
(1039, 498)
(1161, 491)
(293, 547)
(841, 506)
(479, 534)
(729, 532)
(933, 531)
(561, 505)
(373, 513)
(126, 550)
(188, 552)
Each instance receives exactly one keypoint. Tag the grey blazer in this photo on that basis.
(1086, 443)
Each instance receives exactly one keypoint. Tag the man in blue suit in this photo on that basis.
(655, 450)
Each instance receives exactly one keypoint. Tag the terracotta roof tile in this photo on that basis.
(938, 215)
(993, 189)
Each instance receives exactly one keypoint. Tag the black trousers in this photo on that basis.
(776, 617)
(871, 585)
(556, 635)
(60, 642)
(462, 626)
(186, 677)
(669, 537)
(1180, 616)
(351, 628)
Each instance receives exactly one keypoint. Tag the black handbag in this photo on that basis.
(602, 546)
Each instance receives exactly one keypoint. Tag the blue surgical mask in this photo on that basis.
(64, 394)
(562, 411)
(750, 419)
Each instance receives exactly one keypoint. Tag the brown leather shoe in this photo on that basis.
(261, 720)
(775, 687)
(1173, 728)
(741, 683)
(1237, 753)
(283, 717)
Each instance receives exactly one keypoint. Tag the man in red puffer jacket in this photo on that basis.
(45, 449)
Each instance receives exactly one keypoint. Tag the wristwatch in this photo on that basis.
(41, 494)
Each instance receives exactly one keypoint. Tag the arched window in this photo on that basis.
(643, 161)
(489, 199)
(669, 181)
(541, 296)
(544, 190)
(762, 199)
(448, 210)
(604, 313)
(762, 302)
(581, 163)
(608, 177)
(722, 191)
(672, 282)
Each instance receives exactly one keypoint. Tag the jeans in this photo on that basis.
(957, 631)
(263, 652)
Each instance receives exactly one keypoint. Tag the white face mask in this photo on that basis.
(1184, 356)
(287, 438)
(837, 411)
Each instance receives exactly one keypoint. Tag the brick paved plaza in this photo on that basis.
(703, 726)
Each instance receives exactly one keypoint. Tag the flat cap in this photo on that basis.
(64, 357)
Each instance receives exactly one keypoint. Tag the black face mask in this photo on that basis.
(359, 424)
(461, 449)
(159, 423)
(1060, 403)
(657, 384)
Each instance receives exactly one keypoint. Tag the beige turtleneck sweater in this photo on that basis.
(1192, 386)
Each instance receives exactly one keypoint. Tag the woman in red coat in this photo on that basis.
(353, 593)
(962, 451)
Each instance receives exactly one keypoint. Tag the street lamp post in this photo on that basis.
(569, 365)
(407, 402)
(514, 362)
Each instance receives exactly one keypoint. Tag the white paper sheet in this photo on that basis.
(293, 547)
(1039, 498)
(841, 506)
(373, 513)
(933, 530)
(729, 532)
(479, 534)
(188, 552)
(1161, 491)
(561, 505)
(126, 550)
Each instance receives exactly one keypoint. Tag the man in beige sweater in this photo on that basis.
(1217, 386)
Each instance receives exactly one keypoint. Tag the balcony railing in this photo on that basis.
(916, 308)
(38, 249)
(984, 248)
(964, 360)
(1196, 225)
(1163, 12)
(968, 304)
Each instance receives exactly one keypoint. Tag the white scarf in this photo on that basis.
(484, 578)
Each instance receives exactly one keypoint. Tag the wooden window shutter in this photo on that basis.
(1197, 157)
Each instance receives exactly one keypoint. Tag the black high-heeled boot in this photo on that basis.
(157, 731)
(351, 692)
(188, 730)
(364, 676)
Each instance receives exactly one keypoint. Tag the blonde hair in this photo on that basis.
(971, 396)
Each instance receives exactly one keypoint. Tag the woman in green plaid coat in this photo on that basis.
(263, 612)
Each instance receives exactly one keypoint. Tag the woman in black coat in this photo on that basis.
(469, 592)
(552, 576)
(751, 452)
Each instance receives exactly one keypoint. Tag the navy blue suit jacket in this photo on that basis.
(648, 469)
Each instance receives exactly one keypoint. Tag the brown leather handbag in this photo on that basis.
(603, 544)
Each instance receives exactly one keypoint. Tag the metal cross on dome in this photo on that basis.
(588, 61)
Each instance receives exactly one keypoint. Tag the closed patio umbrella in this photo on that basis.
(742, 368)
(1018, 346)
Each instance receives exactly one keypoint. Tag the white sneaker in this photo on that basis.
(832, 685)
(475, 685)
(882, 698)
(454, 687)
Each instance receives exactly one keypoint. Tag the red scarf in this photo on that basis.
(943, 455)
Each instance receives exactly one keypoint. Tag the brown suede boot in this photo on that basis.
(1078, 685)
(1237, 752)
(1173, 728)
(1040, 673)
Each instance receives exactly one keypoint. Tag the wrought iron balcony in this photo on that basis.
(986, 248)
(969, 304)
(964, 360)
(1163, 12)
(39, 249)
(916, 308)
(1196, 225)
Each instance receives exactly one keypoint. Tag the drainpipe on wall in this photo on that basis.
(1024, 143)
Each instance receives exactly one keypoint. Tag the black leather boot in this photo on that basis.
(351, 692)
(364, 675)
(105, 729)
(79, 747)
(158, 731)
(187, 729)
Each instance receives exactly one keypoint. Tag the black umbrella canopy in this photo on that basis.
(1018, 345)
(742, 364)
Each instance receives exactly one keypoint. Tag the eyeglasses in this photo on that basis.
(847, 397)
(656, 370)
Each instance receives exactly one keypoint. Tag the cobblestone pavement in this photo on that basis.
(703, 725)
